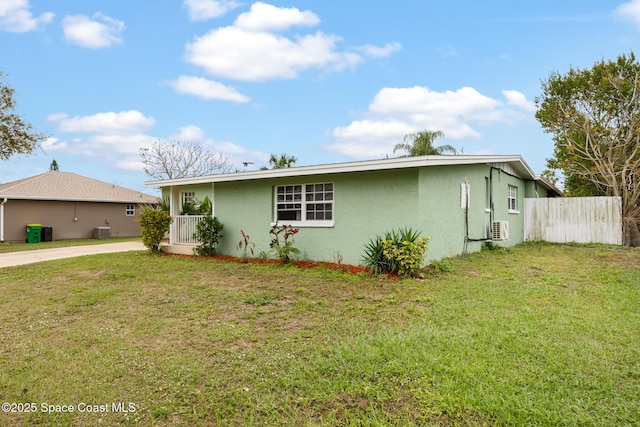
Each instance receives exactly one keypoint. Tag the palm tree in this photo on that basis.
(421, 144)
(281, 162)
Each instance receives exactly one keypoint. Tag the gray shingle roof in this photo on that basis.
(71, 187)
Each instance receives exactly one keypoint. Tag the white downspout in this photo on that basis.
(2, 220)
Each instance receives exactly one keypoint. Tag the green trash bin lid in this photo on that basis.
(34, 225)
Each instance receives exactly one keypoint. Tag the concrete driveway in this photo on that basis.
(37, 255)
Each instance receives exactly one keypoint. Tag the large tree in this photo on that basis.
(422, 144)
(281, 162)
(179, 159)
(16, 135)
(594, 117)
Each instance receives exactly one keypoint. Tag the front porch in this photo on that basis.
(182, 235)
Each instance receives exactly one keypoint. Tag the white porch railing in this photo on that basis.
(183, 228)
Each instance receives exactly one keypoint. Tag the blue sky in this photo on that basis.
(325, 81)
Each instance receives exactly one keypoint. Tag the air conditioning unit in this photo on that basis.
(500, 230)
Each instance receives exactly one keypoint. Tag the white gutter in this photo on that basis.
(2, 220)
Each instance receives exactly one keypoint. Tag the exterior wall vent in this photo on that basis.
(500, 230)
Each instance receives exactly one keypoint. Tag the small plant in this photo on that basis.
(409, 255)
(442, 266)
(491, 247)
(374, 257)
(401, 252)
(154, 223)
(283, 248)
(337, 257)
(246, 244)
(208, 233)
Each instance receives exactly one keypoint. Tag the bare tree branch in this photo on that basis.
(178, 159)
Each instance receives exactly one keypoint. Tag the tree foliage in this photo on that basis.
(594, 117)
(422, 144)
(179, 159)
(16, 135)
(281, 162)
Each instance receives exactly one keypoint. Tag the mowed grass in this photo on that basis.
(540, 334)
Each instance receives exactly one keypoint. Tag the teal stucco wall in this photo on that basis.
(365, 204)
(427, 199)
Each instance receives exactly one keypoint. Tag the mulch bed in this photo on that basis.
(345, 268)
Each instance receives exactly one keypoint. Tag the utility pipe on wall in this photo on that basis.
(2, 220)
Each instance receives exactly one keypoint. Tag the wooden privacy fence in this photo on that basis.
(574, 219)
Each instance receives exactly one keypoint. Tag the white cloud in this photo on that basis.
(256, 48)
(629, 11)
(368, 138)
(122, 151)
(207, 89)
(267, 17)
(97, 32)
(53, 144)
(234, 152)
(124, 122)
(380, 52)
(201, 10)
(238, 54)
(394, 112)
(16, 17)
(130, 164)
(517, 99)
(115, 140)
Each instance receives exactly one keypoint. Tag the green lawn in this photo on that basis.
(541, 334)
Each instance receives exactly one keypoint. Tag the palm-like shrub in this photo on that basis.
(402, 251)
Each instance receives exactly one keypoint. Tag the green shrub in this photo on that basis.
(402, 251)
(442, 266)
(208, 233)
(285, 248)
(154, 224)
(408, 255)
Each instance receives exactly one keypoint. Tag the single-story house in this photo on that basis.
(71, 206)
(457, 201)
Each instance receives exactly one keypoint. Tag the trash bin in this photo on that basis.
(33, 233)
(46, 235)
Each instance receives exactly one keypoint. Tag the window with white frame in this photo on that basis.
(130, 210)
(512, 199)
(188, 196)
(305, 203)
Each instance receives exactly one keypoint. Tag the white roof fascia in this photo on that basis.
(361, 166)
(67, 199)
(548, 184)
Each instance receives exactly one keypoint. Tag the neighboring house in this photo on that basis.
(340, 207)
(71, 205)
